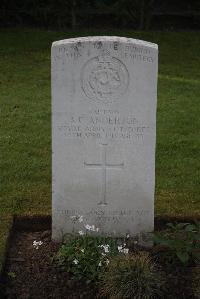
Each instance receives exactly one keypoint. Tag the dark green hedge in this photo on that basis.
(60, 14)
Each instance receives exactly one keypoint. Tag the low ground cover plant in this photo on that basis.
(181, 241)
(86, 254)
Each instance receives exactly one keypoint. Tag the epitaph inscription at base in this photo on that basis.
(104, 92)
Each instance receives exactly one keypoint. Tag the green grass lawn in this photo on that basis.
(25, 127)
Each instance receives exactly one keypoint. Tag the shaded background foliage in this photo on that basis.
(137, 14)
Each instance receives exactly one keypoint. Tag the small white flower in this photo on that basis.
(80, 219)
(107, 262)
(93, 228)
(36, 244)
(103, 254)
(106, 248)
(81, 233)
(125, 250)
(120, 248)
(75, 261)
(100, 264)
(127, 236)
(88, 227)
(73, 217)
(83, 250)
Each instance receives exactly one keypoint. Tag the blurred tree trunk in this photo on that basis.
(149, 14)
(142, 13)
(145, 14)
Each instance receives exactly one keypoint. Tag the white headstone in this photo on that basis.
(104, 92)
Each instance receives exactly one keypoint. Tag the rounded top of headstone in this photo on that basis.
(104, 39)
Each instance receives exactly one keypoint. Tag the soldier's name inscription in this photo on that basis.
(103, 124)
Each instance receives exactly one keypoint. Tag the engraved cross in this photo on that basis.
(104, 165)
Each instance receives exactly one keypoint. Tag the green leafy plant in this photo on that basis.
(86, 256)
(133, 276)
(181, 240)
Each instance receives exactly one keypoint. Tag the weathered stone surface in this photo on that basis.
(104, 92)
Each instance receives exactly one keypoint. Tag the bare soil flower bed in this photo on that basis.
(31, 272)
